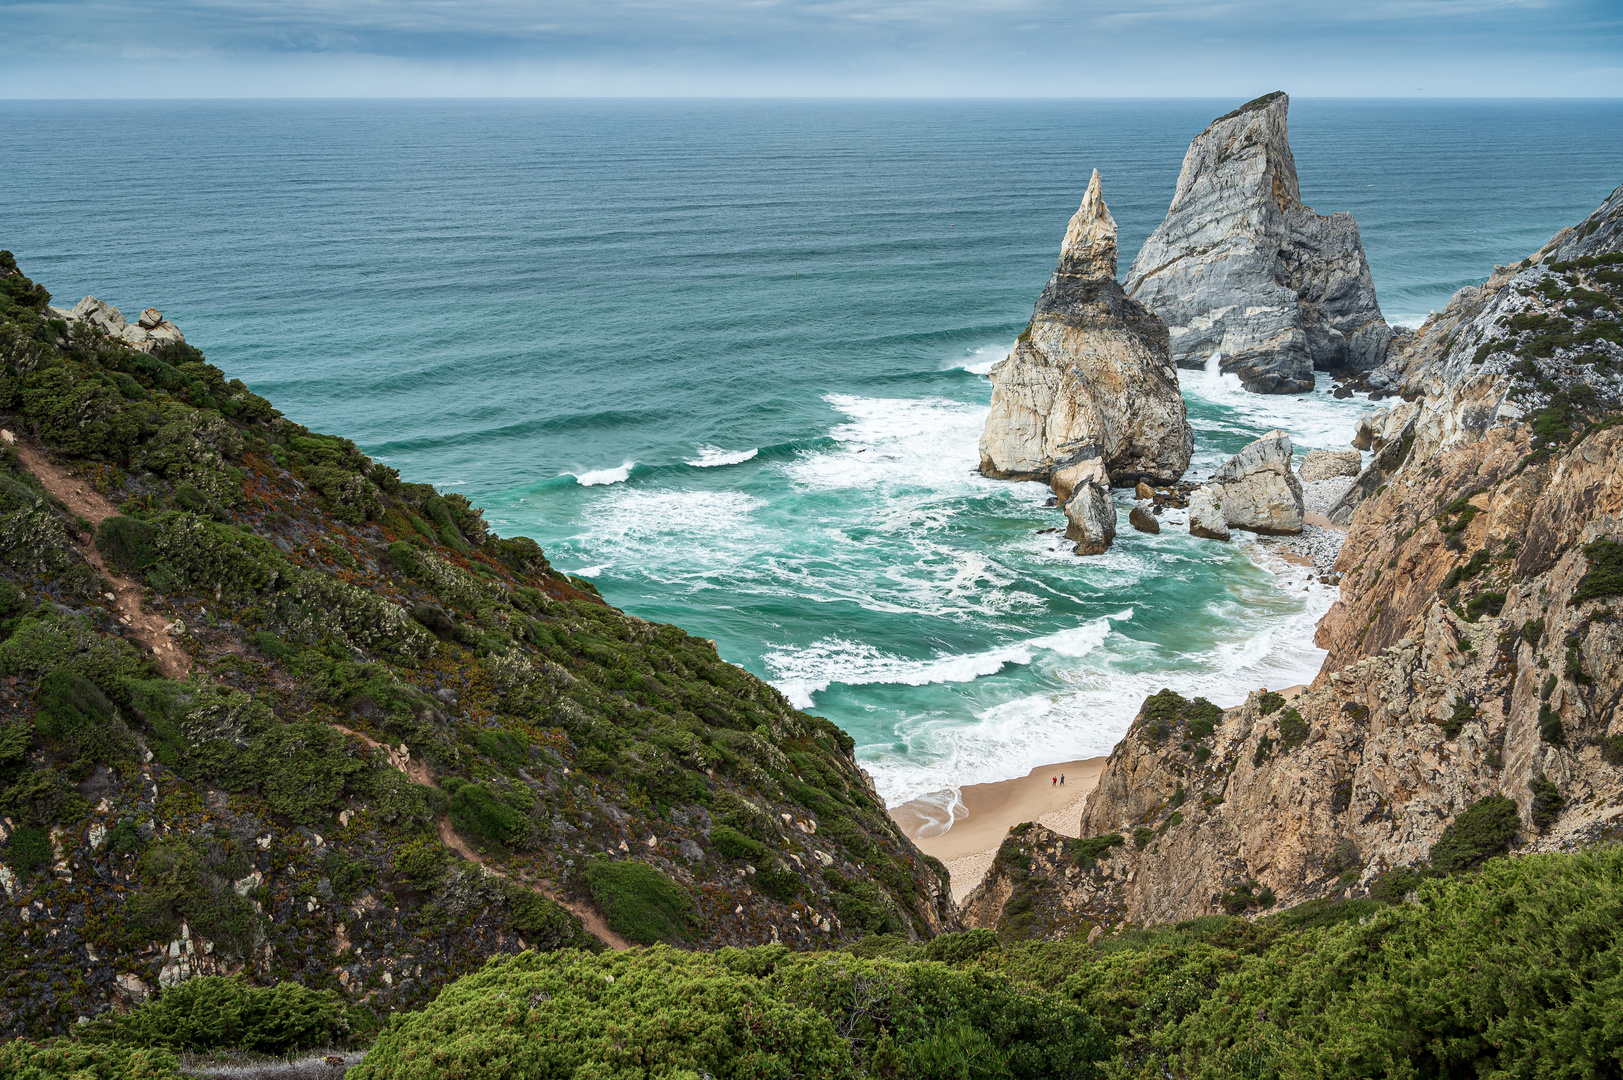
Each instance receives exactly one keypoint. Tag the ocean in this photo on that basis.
(726, 358)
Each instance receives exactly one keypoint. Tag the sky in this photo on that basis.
(809, 48)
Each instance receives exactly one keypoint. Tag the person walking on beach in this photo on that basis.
(1061, 779)
(1053, 780)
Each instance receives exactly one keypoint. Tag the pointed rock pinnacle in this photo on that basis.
(1089, 250)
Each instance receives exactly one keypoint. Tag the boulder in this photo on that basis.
(1090, 518)
(150, 318)
(1257, 490)
(1329, 465)
(1144, 491)
(1240, 267)
(1206, 515)
(1091, 370)
(1140, 518)
(100, 315)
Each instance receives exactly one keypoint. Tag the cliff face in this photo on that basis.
(1088, 398)
(1241, 267)
(1476, 652)
(265, 708)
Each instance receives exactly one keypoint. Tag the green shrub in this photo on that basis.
(1484, 603)
(744, 1014)
(1484, 830)
(735, 845)
(778, 881)
(1085, 852)
(1605, 574)
(546, 924)
(1464, 712)
(62, 1060)
(1293, 730)
(29, 849)
(1270, 702)
(190, 880)
(1533, 632)
(128, 543)
(1264, 750)
(1547, 801)
(68, 701)
(423, 862)
(219, 1013)
(1550, 728)
(960, 947)
(639, 902)
(1142, 836)
(480, 811)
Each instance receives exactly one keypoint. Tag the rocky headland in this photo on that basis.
(1240, 267)
(1088, 399)
(1468, 702)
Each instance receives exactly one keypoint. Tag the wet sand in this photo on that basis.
(987, 810)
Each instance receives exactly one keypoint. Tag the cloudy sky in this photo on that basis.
(1135, 48)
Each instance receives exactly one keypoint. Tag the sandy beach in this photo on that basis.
(984, 812)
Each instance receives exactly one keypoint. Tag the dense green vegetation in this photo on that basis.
(1511, 970)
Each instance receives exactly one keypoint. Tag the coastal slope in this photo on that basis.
(271, 710)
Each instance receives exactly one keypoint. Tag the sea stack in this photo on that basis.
(1241, 268)
(1089, 397)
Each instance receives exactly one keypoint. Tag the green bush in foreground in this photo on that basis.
(216, 1013)
(1512, 971)
(735, 1015)
(69, 1061)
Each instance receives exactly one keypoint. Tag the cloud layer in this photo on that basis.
(1148, 48)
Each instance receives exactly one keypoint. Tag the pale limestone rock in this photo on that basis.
(1091, 370)
(101, 315)
(1090, 514)
(1088, 394)
(1206, 515)
(1329, 465)
(1257, 490)
(1242, 268)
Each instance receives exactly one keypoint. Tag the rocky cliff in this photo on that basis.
(267, 709)
(1241, 267)
(1469, 701)
(1089, 397)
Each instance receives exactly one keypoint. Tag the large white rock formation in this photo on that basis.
(1254, 490)
(1242, 268)
(1089, 396)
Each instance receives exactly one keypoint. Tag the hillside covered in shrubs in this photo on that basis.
(269, 710)
(1512, 970)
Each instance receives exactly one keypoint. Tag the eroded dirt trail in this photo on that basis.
(84, 501)
(417, 770)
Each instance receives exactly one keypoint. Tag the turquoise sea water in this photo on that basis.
(723, 357)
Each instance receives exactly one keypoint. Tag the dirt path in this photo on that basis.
(417, 770)
(83, 501)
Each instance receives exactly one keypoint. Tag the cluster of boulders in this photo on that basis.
(145, 334)
(1257, 490)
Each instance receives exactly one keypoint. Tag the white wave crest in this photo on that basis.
(711, 456)
(804, 672)
(985, 358)
(1314, 419)
(606, 476)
